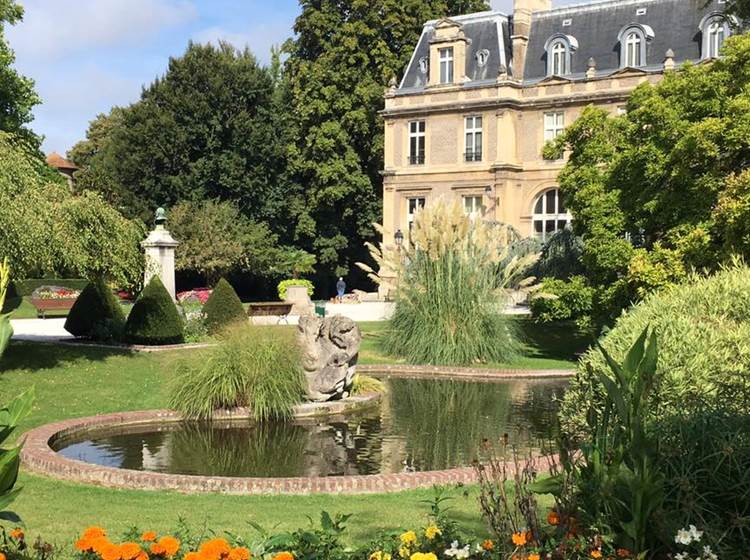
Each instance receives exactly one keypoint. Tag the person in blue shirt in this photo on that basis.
(340, 289)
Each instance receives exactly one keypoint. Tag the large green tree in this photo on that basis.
(17, 95)
(207, 129)
(670, 175)
(343, 57)
(46, 229)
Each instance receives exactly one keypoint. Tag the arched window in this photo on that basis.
(560, 54)
(550, 214)
(715, 29)
(633, 41)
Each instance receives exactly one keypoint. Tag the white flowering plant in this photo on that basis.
(690, 540)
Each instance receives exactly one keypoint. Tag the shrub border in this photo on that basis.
(38, 456)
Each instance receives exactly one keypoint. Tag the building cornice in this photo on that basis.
(509, 103)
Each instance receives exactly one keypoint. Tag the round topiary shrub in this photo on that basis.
(154, 319)
(703, 328)
(223, 308)
(96, 314)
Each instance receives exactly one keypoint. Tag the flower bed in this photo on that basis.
(53, 298)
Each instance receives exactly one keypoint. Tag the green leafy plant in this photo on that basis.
(284, 284)
(364, 385)
(561, 300)
(223, 308)
(6, 329)
(616, 476)
(252, 367)
(96, 314)
(154, 319)
(10, 457)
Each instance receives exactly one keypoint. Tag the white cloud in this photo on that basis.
(53, 29)
(259, 39)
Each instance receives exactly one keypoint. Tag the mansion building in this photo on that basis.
(484, 92)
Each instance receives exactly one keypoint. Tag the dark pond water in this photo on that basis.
(420, 425)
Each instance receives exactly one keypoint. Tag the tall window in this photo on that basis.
(554, 125)
(473, 138)
(416, 142)
(715, 31)
(473, 206)
(633, 41)
(446, 65)
(414, 206)
(550, 214)
(558, 59)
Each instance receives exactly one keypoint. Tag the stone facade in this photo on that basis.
(517, 81)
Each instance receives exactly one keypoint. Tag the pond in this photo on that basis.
(419, 425)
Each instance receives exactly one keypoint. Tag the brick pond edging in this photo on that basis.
(39, 457)
(462, 373)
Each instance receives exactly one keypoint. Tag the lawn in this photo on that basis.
(78, 381)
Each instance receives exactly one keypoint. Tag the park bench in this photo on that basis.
(278, 309)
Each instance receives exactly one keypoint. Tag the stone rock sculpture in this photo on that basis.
(330, 349)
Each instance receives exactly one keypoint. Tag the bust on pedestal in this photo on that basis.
(159, 247)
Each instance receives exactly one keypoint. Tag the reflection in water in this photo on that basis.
(420, 425)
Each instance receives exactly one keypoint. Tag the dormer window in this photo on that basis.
(560, 54)
(633, 41)
(715, 29)
(424, 64)
(446, 65)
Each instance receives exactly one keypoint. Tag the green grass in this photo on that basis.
(546, 346)
(78, 381)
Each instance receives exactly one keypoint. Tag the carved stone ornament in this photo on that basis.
(330, 349)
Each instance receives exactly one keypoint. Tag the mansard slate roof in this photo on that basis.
(485, 30)
(595, 25)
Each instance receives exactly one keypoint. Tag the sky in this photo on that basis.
(86, 56)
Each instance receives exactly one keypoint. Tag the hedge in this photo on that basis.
(154, 319)
(223, 307)
(96, 314)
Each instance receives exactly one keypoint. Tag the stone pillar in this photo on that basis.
(159, 247)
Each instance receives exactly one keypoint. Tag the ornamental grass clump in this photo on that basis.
(254, 367)
(451, 291)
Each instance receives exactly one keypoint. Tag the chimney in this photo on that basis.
(522, 10)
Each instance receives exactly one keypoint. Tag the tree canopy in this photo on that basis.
(343, 57)
(664, 188)
(44, 228)
(17, 95)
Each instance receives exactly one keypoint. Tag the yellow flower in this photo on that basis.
(409, 538)
(403, 552)
(432, 531)
(380, 555)
(423, 556)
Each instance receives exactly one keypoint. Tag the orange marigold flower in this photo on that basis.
(130, 550)
(142, 556)
(98, 544)
(553, 518)
(284, 556)
(94, 532)
(533, 556)
(17, 534)
(2, 556)
(596, 554)
(111, 552)
(519, 539)
(623, 553)
(148, 536)
(170, 545)
(239, 553)
(157, 549)
(192, 556)
(83, 545)
(214, 549)
(488, 545)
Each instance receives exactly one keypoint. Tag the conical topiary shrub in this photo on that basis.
(223, 308)
(96, 314)
(154, 319)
